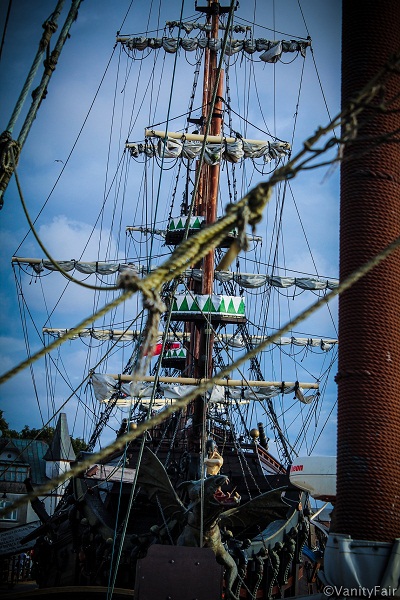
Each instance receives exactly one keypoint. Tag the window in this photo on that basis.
(12, 473)
(11, 516)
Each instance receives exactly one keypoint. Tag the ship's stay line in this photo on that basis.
(215, 318)
(390, 248)
(224, 332)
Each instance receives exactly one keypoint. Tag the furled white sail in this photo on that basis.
(232, 151)
(246, 280)
(270, 50)
(106, 387)
(235, 341)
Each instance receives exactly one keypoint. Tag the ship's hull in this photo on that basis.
(88, 537)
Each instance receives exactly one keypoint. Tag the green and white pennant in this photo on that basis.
(209, 304)
(176, 353)
(179, 223)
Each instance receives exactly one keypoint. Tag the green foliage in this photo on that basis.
(46, 434)
(78, 444)
(3, 422)
(4, 428)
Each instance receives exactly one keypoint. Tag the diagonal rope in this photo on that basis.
(203, 385)
(248, 210)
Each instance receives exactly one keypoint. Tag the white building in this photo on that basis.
(38, 462)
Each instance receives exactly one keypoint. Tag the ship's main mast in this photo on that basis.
(200, 352)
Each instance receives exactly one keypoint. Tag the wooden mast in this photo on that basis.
(211, 175)
(202, 337)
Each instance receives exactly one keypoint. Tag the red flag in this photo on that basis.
(168, 346)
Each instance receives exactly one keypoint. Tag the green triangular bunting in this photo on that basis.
(231, 308)
(241, 310)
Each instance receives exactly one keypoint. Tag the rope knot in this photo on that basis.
(49, 28)
(231, 208)
(243, 217)
(128, 280)
(51, 63)
(9, 153)
(153, 302)
(257, 201)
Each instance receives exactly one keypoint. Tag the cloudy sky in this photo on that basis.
(68, 213)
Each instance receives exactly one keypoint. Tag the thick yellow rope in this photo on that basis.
(202, 387)
(248, 209)
(182, 258)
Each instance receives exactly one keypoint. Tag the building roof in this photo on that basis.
(61, 446)
(31, 452)
(13, 452)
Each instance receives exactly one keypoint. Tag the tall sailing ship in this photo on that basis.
(205, 483)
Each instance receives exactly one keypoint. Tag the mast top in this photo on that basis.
(214, 8)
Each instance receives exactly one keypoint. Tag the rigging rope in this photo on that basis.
(251, 205)
(254, 200)
(203, 385)
(50, 65)
(3, 37)
(72, 149)
(46, 252)
(11, 149)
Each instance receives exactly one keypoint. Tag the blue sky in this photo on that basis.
(67, 218)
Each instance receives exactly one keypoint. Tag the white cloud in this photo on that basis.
(73, 208)
(66, 239)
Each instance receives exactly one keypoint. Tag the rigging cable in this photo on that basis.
(203, 386)
(252, 23)
(50, 66)
(164, 146)
(213, 234)
(297, 163)
(68, 383)
(46, 252)
(70, 153)
(118, 185)
(48, 423)
(315, 65)
(3, 37)
(113, 576)
(21, 305)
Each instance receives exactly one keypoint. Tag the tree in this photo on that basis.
(46, 434)
(4, 428)
(3, 422)
(78, 445)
